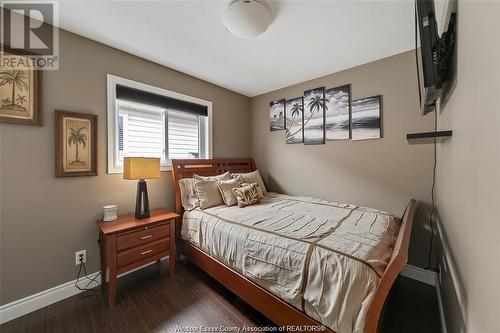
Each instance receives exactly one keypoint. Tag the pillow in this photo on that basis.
(226, 191)
(208, 193)
(259, 189)
(189, 198)
(251, 177)
(246, 195)
(224, 176)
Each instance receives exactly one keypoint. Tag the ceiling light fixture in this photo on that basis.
(247, 18)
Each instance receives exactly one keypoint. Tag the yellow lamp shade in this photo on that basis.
(141, 168)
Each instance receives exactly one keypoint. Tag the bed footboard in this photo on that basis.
(398, 260)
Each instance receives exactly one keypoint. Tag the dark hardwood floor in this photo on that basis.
(412, 307)
(149, 301)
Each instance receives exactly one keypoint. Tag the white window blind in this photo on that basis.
(183, 135)
(152, 122)
(142, 131)
(149, 131)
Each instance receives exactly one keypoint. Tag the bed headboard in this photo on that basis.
(206, 167)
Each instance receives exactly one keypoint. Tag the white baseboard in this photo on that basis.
(452, 269)
(441, 308)
(419, 274)
(430, 278)
(39, 300)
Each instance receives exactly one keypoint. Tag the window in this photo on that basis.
(141, 131)
(184, 135)
(153, 122)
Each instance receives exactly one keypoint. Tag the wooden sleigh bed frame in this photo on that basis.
(277, 310)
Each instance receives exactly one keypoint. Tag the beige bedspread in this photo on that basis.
(322, 257)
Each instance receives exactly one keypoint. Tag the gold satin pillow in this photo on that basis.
(189, 197)
(208, 193)
(224, 176)
(246, 195)
(251, 177)
(226, 190)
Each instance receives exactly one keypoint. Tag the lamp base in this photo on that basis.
(141, 201)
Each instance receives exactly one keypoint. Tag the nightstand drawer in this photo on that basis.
(135, 254)
(142, 236)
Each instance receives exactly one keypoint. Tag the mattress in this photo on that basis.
(324, 258)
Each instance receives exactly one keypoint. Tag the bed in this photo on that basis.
(300, 261)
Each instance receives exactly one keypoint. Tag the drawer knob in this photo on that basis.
(146, 237)
(146, 252)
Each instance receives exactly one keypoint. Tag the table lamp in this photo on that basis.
(141, 168)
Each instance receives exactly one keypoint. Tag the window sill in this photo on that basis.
(120, 170)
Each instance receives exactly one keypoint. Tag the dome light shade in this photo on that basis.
(247, 18)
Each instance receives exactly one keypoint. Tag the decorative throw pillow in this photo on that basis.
(259, 189)
(251, 177)
(226, 191)
(208, 193)
(224, 176)
(246, 195)
(189, 197)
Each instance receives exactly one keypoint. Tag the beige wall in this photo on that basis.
(44, 220)
(468, 182)
(383, 173)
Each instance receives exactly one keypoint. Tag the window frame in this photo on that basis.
(112, 119)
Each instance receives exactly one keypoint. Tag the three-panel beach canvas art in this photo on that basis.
(322, 115)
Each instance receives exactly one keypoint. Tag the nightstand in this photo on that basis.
(128, 243)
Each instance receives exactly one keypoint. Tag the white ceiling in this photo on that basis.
(306, 39)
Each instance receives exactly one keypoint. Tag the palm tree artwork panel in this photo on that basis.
(76, 144)
(19, 92)
(314, 116)
(366, 118)
(277, 115)
(337, 113)
(294, 115)
(77, 150)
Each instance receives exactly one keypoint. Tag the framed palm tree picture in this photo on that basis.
(314, 116)
(20, 90)
(294, 118)
(76, 144)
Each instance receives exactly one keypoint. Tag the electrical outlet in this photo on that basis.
(80, 255)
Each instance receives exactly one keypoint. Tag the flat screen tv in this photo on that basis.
(434, 55)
